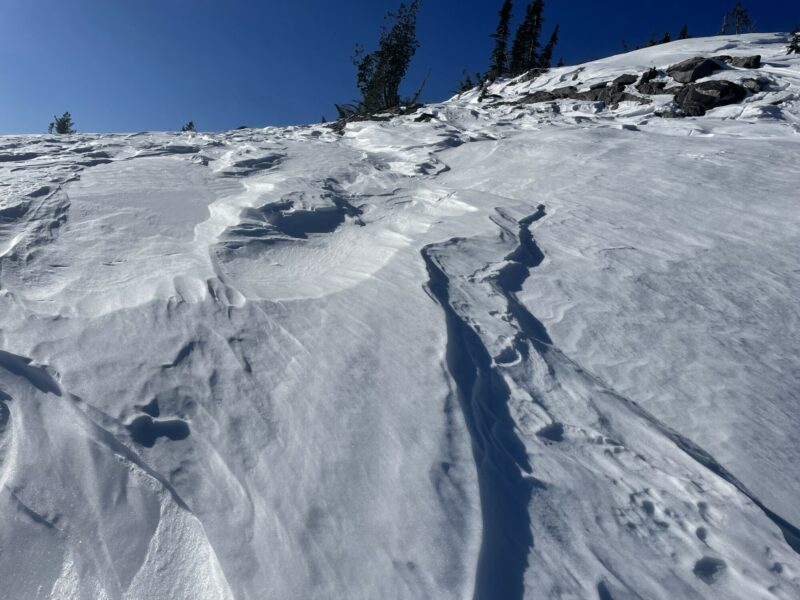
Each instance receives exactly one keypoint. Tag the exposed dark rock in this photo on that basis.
(424, 118)
(624, 80)
(652, 87)
(693, 69)
(565, 92)
(648, 76)
(598, 86)
(695, 99)
(611, 96)
(538, 96)
(756, 85)
(747, 62)
(544, 96)
(744, 62)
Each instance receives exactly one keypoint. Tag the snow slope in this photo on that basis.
(508, 350)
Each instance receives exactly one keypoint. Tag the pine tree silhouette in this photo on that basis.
(499, 64)
(684, 34)
(794, 44)
(525, 50)
(381, 72)
(62, 124)
(741, 19)
(736, 21)
(547, 53)
(188, 127)
(466, 84)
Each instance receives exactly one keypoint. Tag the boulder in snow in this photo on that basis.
(537, 96)
(652, 87)
(693, 69)
(747, 62)
(756, 85)
(610, 96)
(695, 99)
(624, 80)
(744, 62)
(648, 76)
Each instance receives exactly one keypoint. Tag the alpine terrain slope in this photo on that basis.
(537, 341)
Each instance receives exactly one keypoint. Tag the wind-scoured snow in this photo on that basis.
(489, 350)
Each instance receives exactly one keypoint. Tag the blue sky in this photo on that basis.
(133, 65)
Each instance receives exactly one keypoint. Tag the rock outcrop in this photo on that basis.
(693, 69)
(697, 98)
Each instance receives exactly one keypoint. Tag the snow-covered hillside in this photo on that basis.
(517, 344)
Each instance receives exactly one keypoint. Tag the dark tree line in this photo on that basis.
(526, 54)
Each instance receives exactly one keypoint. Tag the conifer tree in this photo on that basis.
(794, 44)
(188, 127)
(737, 20)
(547, 53)
(499, 64)
(62, 124)
(725, 26)
(525, 50)
(381, 72)
(684, 34)
(741, 19)
(666, 39)
(466, 83)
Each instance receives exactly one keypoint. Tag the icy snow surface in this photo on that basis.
(539, 350)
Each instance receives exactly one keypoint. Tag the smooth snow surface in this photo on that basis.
(540, 351)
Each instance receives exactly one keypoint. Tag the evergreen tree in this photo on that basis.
(547, 53)
(188, 127)
(381, 72)
(725, 25)
(737, 20)
(741, 19)
(684, 34)
(794, 44)
(465, 84)
(62, 124)
(525, 50)
(499, 64)
(666, 39)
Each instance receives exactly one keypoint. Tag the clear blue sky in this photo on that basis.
(133, 65)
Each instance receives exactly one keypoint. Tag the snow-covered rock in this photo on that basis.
(540, 350)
